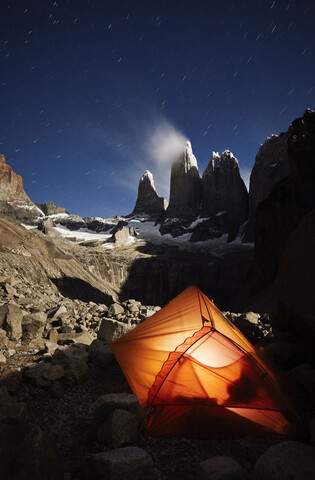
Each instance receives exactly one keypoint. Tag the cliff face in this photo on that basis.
(223, 190)
(271, 165)
(291, 199)
(13, 200)
(11, 185)
(148, 202)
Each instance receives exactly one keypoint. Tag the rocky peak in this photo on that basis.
(50, 208)
(278, 156)
(148, 202)
(11, 185)
(185, 191)
(223, 190)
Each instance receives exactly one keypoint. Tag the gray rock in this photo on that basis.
(223, 190)
(148, 202)
(115, 309)
(49, 208)
(33, 326)
(185, 190)
(11, 320)
(286, 461)
(100, 354)
(74, 362)
(222, 468)
(112, 401)
(120, 428)
(43, 374)
(112, 329)
(121, 463)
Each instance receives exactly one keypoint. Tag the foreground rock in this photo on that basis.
(222, 468)
(286, 461)
(117, 464)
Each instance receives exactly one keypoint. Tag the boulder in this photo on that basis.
(73, 360)
(111, 329)
(116, 309)
(11, 321)
(148, 202)
(127, 462)
(119, 428)
(222, 468)
(100, 354)
(113, 401)
(286, 461)
(33, 326)
(43, 374)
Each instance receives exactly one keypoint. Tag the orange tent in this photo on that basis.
(200, 374)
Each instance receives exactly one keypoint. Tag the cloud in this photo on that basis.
(163, 144)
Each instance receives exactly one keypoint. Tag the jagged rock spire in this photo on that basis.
(223, 190)
(148, 202)
(185, 191)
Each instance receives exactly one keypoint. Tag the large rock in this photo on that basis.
(127, 462)
(185, 191)
(43, 374)
(112, 329)
(148, 202)
(223, 190)
(112, 401)
(271, 165)
(11, 321)
(222, 468)
(119, 428)
(33, 326)
(286, 461)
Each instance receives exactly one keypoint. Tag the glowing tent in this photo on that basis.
(200, 374)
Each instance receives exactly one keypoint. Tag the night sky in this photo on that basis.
(94, 92)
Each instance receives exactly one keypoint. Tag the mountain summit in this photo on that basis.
(148, 202)
(185, 190)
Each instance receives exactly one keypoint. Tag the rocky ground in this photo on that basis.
(66, 411)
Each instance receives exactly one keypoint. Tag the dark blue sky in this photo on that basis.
(89, 89)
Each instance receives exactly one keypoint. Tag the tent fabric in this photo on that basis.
(200, 374)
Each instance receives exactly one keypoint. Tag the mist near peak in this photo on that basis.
(164, 144)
